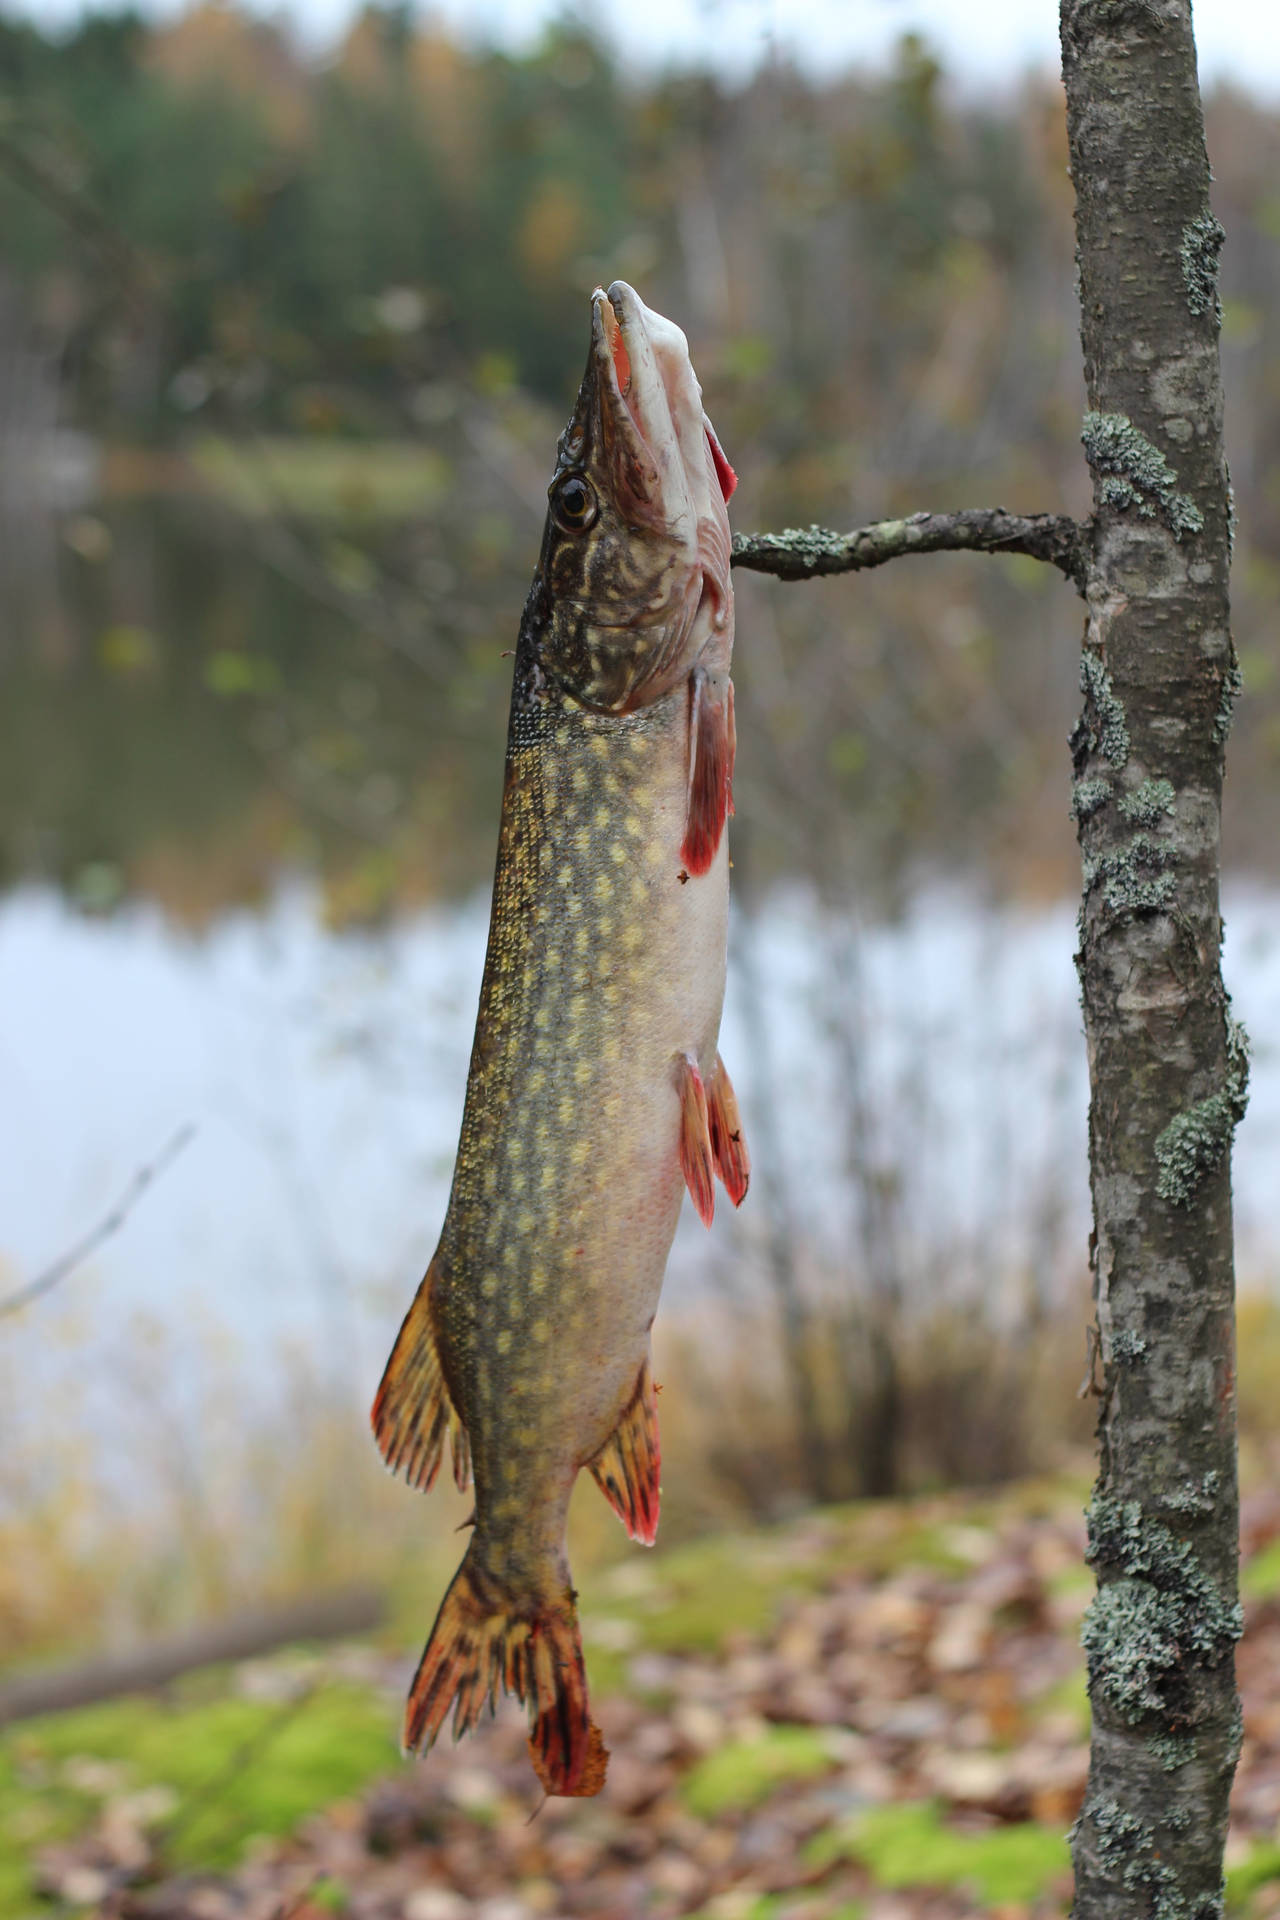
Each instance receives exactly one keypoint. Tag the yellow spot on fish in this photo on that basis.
(580, 1153)
(552, 959)
(582, 839)
(489, 1285)
(518, 1183)
(604, 816)
(542, 1019)
(583, 1072)
(566, 1111)
(537, 1279)
(503, 1341)
(524, 1221)
(537, 1080)
(515, 1149)
(603, 888)
(618, 853)
(548, 1179)
(610, 994)
(581, 780)
(540, 1330)
(604, 926)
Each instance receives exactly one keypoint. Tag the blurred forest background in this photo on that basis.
(284, 348)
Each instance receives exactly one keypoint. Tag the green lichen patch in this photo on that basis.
(1148, 1628)
(1201, 244)
(1133, 473)
(1127, 1347)
(1134, 878)
(1147, 804)
(909, 1845)
(1172, 1750)
(1089, 796)
(1107, 730)
(1129, 1850)
(742, 1774)
(1232, 687)
(1196, 1142)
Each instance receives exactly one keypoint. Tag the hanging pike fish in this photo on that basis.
(596, 1092)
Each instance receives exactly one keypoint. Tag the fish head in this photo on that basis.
(635, 558)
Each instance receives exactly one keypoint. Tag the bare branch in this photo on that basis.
(111, 1223)
(799, 553)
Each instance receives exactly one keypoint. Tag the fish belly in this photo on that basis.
(605, 975)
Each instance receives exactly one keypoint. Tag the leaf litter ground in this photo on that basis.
(873, 1712)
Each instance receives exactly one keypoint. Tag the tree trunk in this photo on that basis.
(1167, 1063)
(1167, 1066)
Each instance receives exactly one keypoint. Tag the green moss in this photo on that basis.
(1258, 1869)
(1088, 796)
(1135, 877)
(908, 1845)
(1201, 244)
(1162, 1616)
(746, 1772)
(1133, 473)
(1148, 803)
(1260, 1577)
(1196, 1142)
(1110, 736)
(238, 1767)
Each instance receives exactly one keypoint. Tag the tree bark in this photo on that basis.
(1167, 1064)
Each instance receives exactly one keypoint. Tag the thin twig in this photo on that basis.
(111, 1223)
(799, 553)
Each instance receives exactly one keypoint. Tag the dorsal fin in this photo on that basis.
(628, 1467)
(412, 1412)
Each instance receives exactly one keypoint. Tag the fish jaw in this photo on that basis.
(633, 588)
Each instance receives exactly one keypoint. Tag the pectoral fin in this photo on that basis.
(412, 1412)
(712, 748)
(628, 1466)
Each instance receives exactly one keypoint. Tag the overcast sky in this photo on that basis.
(983, 42)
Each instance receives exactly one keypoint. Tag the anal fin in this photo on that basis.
(728, 1144)
(412, 1412)
(628, 1467)
(712, 749)
(696, 1160)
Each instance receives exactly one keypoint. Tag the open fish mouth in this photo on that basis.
(666, 457)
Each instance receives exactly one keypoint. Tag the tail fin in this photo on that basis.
(483, 1639)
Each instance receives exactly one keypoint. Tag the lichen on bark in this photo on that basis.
(1134, 473)
(1157, 683)
(1202, 240)
(1197, 1141)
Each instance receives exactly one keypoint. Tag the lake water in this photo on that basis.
(938, 1060)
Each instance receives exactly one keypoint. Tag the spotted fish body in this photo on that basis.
(596, 1093)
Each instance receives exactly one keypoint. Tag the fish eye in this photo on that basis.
(574, 503)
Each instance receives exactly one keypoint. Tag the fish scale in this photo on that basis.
(595, 1093)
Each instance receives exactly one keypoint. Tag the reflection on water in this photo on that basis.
(325, 1075)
